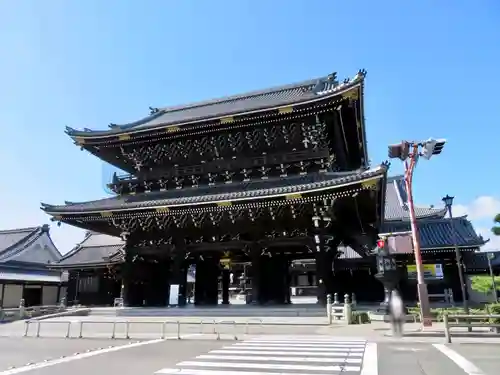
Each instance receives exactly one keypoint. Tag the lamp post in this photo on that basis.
(409, 153)
(448, 202)
(490, 257)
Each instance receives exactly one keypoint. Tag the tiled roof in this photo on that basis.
(436, 233)
(301, 92)
(396, 203)
(208, 194)
(26, 275)
(479, 260)
(28, 246)
(96, 248)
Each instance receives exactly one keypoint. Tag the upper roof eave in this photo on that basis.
(236, 196)
(339, 89)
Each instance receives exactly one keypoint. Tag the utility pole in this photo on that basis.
(409, 153)
(490, 257)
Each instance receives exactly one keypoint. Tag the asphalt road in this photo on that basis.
(264, 355)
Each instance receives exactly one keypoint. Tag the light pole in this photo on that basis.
(448, 202)
(491, 256)
(409, 153)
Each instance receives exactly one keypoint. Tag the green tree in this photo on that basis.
(483, 284)
(496, 228)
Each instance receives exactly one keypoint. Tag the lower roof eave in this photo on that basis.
(366, 180)
(85, 265)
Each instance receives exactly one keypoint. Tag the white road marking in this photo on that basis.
(293, 349)
(286, 345)
(297, 355)
(278, 359)
(300, 339)
(71, 358)
(459, 360)
(268, 366)
(309, 342)
(303, 353)
(370, 360)
(226, 372)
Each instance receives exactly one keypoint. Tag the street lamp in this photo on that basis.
(448, 202)
(409, 153)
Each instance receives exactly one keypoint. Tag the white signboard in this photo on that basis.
(174, 295)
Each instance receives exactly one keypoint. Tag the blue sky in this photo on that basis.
(432, 72)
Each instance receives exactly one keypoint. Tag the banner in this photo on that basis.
(431, 271)
(174, 295)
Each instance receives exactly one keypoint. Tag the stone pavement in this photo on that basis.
(260, 355)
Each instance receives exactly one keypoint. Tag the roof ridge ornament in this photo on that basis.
(153, 110)
(361, 73)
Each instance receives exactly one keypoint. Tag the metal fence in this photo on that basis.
(470, 322)
(124, 329)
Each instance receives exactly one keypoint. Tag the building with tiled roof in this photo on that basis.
(260, 177)
(26, 257)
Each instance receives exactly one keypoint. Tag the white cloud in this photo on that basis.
(494, 241)
(484, 207)
(481, 212)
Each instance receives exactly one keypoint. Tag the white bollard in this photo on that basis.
(329, 308)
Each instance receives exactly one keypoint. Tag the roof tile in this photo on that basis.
(224, 192)
(436, 233)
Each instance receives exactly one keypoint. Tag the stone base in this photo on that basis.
(382, 316)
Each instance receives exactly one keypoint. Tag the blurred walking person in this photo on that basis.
(397, 313)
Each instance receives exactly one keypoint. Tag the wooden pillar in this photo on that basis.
(225, 286)
(178, 275)
(256, 273)
(127, 276)
(200, 282)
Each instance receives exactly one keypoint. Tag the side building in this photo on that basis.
(26, 255)
(356, 274)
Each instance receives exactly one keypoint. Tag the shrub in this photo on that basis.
(360, 317)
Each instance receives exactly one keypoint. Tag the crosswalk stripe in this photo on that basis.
(287, 352)
(268, 366)
(226, 372)
(278, 359)
(279, 356)
(299, 339)
(316, 342)
(294, 349)
(300, 345)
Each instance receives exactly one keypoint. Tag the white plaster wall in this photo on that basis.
(49, 295)
(12, 295)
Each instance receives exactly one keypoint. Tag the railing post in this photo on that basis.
(80, 335)
(235, 329)
(38, 328)
(347, 311)
(26, 328)
(113, 330)
(329, 308)
(163, 329)
(21, 308)
(336, 299)
(178, 330)
(446, 328)
(68, 331)
(127, 329)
